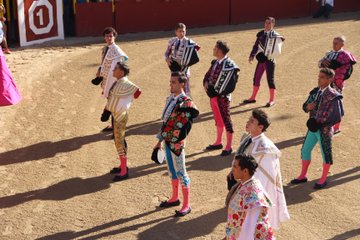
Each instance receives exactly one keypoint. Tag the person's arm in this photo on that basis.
(137, 93)
(168, 52)
(250, 223)
(255, 47)
(340, 72)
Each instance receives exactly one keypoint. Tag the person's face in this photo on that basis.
(217, 52)
(237, 171)
(175, 86)
(337, 44)
(323, 80)
(118, 72)
(268, 25)
(109, 38)
(180, 32)
(252, 126)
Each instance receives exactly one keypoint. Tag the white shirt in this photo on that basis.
(329, 2)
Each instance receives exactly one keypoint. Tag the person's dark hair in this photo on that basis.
(180, 26)
(222, 46)
(262, 118)
(247, 162)
(328, 72)
(181, 77)
(271, 19)
(123, 66)
(109, 30)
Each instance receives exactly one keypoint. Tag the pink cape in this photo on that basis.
(9, 95)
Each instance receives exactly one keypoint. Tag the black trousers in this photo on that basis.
(323, 11)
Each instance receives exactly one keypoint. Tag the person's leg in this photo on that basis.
(174, 179)
(4, 41)
(224, 107)
(182, 175)
(326, 151)
(187, 83)
(327, 10)
(308, 145)
(218, 120)
(259, 71)
(319, 12)
(270, 76)
(120, 144)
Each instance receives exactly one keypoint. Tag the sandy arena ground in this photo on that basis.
(54, 161)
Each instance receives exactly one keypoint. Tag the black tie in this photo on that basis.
(244, 146)
(177, 45)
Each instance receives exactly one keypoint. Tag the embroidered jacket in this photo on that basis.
(183, 56)
(221, 78)
(245, 201)
(261, 42)
(341, 62)
(329, 110)
(179, 124)
(120, 97)
(113, 55)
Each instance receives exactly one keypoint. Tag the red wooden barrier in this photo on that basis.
(92, 18)
(159, 15)
(243, 11)
(339, 6)
(155, 15)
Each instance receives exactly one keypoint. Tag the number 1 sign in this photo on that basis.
(40, 21)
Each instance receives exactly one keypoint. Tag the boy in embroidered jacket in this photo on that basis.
(219, 82)
(266, 48)
(120, 97)
(247, 204)
(181, 53)
(177, 117)
(267, 156)
(325, 109)
(111, 55)
(341, 62)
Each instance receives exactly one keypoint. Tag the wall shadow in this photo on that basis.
(290, 142)
(146, 128)
(78, 235)
(63, 190)
(301, 193)
(346, 235)
(48, 149)
(167, 227)
(173, 229)
(77, 186)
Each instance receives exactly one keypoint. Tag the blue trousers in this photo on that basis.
(176, 166)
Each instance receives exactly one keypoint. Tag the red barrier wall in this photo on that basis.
(339, 6)
(159, 15)
(92, 18)
(243, 11)
(155, 15)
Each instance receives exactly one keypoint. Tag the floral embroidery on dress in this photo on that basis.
(179, 121)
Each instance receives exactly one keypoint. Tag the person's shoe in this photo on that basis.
(181, 214)
(270, 104)
(108, 129)
(118, 178)
(320, 186)
(166, 204)
(247, 101)
(337, 132)
(7, 51)
(226, 152)
(214, 147)
(298, 181)
(117, 170)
